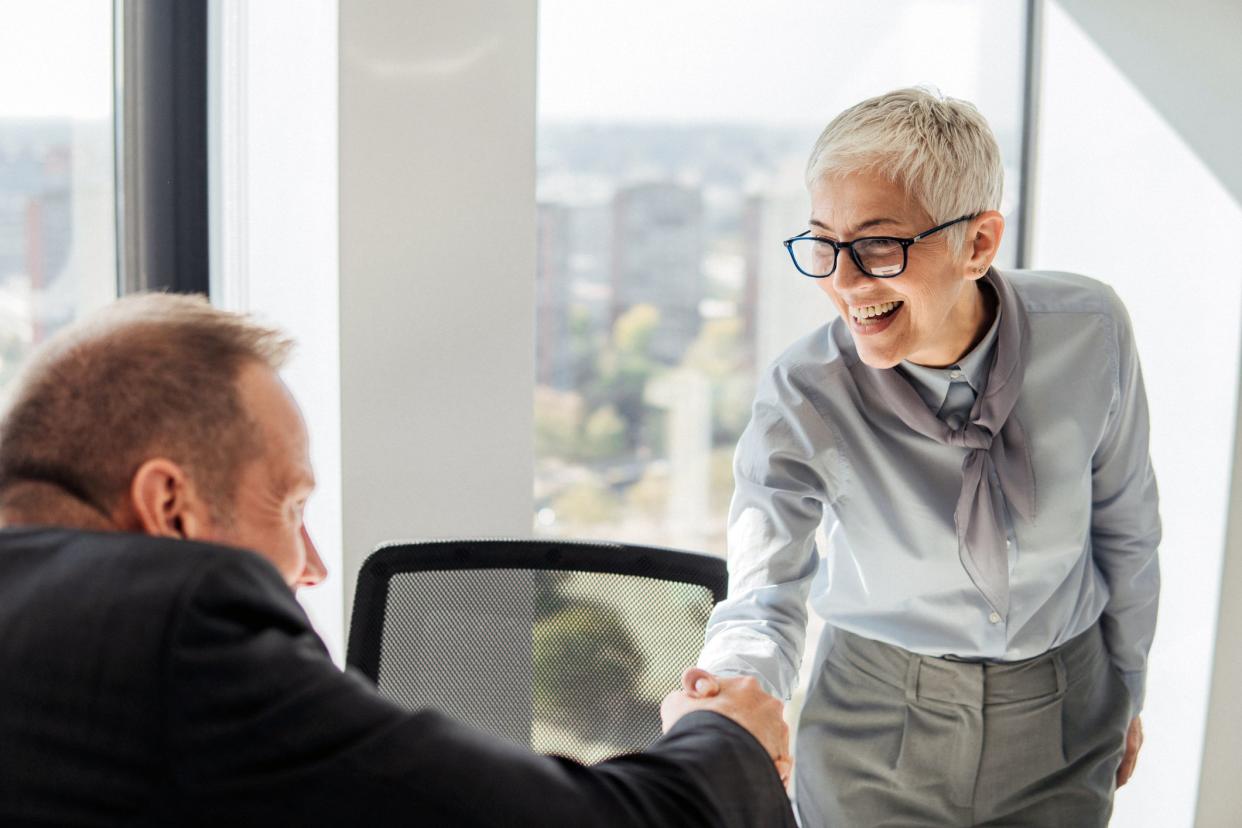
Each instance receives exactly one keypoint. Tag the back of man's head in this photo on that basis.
(149, 375)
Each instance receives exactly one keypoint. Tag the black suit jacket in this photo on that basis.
(145, 681)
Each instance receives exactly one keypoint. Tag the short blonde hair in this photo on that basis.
(151, 375)
(940, 149)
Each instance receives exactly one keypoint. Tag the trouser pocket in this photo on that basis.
(940, 749)
(1097, 716)
(945, 744)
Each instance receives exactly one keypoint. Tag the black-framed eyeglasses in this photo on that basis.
(880, 256)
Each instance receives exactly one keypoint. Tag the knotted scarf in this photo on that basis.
(997, 443)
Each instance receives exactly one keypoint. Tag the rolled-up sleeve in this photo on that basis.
(781, 491)
(1125, 522)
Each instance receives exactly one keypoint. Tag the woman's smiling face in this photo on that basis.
(932, 313)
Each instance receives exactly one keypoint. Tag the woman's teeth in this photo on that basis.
(872, 311)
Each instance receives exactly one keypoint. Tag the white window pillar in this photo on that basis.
(415, 365)
(437, 262)
(273, 205)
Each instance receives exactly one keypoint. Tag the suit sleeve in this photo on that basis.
(1125, 518)
(263, 728)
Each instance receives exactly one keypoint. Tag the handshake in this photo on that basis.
(741, 699)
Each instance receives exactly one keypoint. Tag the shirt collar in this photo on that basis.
(932, 384)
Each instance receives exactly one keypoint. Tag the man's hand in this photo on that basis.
(742, 700)
(1134, 741)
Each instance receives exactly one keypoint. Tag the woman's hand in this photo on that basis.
(742, 700)
(1134, 741)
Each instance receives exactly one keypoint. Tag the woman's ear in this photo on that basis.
(165, 503)
(983, 238)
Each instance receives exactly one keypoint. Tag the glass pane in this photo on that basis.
(57, 224)
(665, 187)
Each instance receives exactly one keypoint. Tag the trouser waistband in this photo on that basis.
(975, 684)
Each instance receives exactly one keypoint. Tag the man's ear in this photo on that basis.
(983, 238)
(165, 503)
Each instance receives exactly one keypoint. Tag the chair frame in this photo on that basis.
(389, 559)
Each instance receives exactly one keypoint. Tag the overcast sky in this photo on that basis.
(55, 58)
(781, 61)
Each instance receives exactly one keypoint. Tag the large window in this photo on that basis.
(57, 220)
(671, 141)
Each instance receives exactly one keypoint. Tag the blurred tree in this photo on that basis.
(721, 480)
(721, 354)
(558, 422)
(625, 366)
(731, 401)
(550, 594)
(587, 671)
(603, 435)
(632, 333)
(585, 503)
(585, 342)
(649, 496)
(718, 349)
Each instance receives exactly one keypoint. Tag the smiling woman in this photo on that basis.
(917, 425)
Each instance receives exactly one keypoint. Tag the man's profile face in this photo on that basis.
(273, 488)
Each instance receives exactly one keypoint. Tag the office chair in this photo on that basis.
(563, 646)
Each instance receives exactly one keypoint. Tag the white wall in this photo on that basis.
(415, 362)
(1117, 188)
(437, 235)
(1186, 60)
(1220, 795)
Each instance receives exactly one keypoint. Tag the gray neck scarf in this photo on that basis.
(997, 444)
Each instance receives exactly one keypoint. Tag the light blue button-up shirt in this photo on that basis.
(951, 391)
(819, 448)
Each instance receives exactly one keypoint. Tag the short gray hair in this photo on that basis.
(940, 149)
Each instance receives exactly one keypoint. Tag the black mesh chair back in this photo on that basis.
(566, 647)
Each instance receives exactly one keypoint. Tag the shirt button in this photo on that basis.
(955, 375)
(994, 618)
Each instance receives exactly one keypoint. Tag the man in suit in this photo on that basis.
(155, 670)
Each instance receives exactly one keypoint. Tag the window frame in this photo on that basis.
(160, 76)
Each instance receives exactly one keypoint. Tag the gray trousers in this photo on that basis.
(890, 738)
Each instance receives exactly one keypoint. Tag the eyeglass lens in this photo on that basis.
(879, 257)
